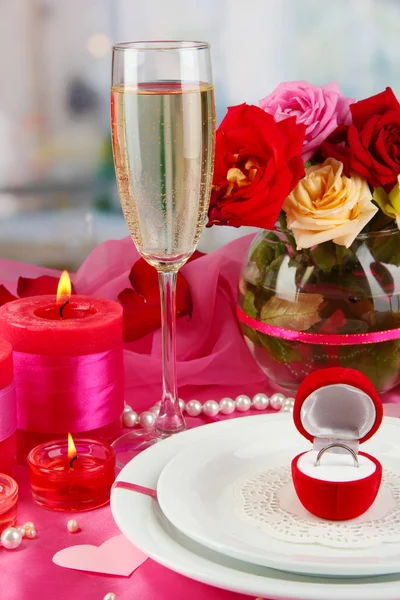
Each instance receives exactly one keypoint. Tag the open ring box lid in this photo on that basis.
(337, 406)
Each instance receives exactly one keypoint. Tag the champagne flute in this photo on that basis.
(163, 134)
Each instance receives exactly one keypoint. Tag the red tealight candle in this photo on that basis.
(71, 476)
(68, 363)
(8, 501)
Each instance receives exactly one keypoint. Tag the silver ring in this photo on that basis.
(336, 445)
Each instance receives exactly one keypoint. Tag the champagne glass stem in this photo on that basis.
(170, 419)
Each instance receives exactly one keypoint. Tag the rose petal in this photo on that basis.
(38, 286)
(142, 305)
(5, 295)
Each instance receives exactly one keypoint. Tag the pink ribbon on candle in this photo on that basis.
(58, 394)
(329, 339)
(8, 412)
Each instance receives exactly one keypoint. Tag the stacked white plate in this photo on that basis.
(195, 528)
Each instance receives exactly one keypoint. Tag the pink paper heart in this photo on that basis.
(117, 556)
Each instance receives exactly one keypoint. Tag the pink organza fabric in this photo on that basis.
(213, 360)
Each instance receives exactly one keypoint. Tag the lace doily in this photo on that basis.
(269, 500)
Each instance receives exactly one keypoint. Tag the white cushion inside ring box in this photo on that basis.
(339, 412)
(335, 467)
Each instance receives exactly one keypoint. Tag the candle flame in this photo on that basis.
(64, 288)
(71, 448)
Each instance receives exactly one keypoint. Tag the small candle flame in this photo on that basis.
(71, 448)
(64, 288)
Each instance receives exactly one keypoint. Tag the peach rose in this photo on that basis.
(326, 205)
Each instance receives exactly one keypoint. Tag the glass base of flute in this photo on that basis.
(163, 136)
(170, 418)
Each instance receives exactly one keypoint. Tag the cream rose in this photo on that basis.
(326, 205)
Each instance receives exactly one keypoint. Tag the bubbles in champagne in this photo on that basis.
(163, 142)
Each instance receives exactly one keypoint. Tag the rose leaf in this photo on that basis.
(299, 315)
(248, 305)
(279, 350)
(324, 256)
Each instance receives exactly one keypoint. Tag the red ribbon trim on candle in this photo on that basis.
(57, 394)
(8, 412)
(329, 339)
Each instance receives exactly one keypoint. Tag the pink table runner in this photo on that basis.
(213, 361)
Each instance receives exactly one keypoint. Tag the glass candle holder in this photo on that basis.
(27, 440)
(8, 501)
(81, 483)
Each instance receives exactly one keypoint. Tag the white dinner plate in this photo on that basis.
(198, 493)
(141, 520)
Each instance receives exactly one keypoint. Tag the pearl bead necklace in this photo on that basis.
(210, 408)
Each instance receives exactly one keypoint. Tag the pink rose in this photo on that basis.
(320, 108)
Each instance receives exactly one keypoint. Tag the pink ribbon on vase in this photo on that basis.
(8, 412)
(329, 339)
(68, 393)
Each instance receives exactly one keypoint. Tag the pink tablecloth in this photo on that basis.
(213, 362)
(28, 572)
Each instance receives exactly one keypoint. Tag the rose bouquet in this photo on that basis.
(320, 174)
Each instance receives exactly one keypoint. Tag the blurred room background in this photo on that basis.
(58, 197)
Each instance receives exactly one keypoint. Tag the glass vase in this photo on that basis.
(302, 310)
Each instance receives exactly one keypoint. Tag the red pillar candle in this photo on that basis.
(8, 419)
(68, 367)
(82, 481)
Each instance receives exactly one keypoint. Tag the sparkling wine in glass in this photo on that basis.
(163, 133)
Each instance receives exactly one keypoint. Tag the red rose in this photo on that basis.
(141, 302)
(257, 164)
(371, 145)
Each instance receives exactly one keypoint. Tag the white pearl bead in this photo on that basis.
(193, 408)
(146, 420)
(110, 596)
(260, 401)
(181, 404)
(227, 406)
(11, 538)
(29, 525)
(73, 526)
(130, 418)
(288, 405)
(277, 401)
(30, 533)
(242, 403)
(211, 408)
(21, 528)
(155, 410)
(127, 408)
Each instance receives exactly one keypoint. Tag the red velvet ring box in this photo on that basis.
(338, 407)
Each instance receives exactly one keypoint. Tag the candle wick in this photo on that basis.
(62, 308)
(71, 461)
